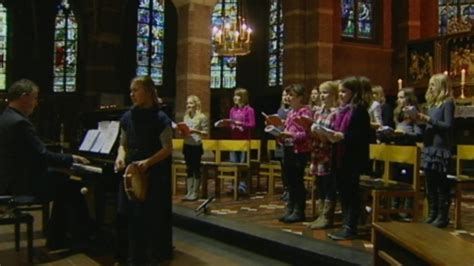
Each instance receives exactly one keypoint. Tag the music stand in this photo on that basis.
(204, 208)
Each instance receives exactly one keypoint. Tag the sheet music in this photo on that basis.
(111, 134)
(89, 139)
(99, 143)
(102, 139)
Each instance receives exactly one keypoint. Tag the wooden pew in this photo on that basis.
(397, 243)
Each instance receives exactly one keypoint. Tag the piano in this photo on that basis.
(99, 176)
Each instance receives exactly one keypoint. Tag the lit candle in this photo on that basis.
(400, 82)
(445, 72)
(463, 76)
(249, 31)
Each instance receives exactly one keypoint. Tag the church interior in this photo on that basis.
(83, 55)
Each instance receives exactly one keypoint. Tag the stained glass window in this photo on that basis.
(357, 19)
(275, 47)
(454, 15)
(223, 69)
(150, 39)
(65, 49)
(3, 46)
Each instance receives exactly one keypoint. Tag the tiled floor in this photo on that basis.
(190, 249)
(254, 209)
(260, 209)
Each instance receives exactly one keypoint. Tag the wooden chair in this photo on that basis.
(463, 182)
(178, 167)
(255, 158)
(208, 162)
(270, 169)
(229, 170)
(387, 188)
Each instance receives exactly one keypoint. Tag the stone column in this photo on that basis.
(294, 16)
(319, 42)
(193, 53)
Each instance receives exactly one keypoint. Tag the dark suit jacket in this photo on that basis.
(23, 156)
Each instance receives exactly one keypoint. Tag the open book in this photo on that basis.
(224, 123)
(304, 121)
(273, 120)
(322, 130)
(183, 128)
(410, 111)
(385, 129)
(273, 130)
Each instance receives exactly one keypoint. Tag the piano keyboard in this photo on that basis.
(87, 168)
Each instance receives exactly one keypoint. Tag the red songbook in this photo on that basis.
(183, 128)
(224, 123)
(304, 121)
(273, 120)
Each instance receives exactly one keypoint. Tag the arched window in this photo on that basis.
(357, 19)
(458, 13)
(275, 47)
(223, 69)
(65, 49)
(150, 39)
(3, 47)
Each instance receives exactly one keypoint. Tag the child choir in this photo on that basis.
(346, 116)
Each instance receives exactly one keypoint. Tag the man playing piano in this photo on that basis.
(24, 161)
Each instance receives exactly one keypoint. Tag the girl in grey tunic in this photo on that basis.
(192, 148)
(436, 153)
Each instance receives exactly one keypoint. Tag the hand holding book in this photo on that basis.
(224, 123)
(273, 130)
(273, 120)
(183, 129)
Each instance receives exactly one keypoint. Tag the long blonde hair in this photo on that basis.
(442, 83)
(196, 101)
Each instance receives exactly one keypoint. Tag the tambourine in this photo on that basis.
(135, 183)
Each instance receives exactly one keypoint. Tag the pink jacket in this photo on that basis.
(245, 115)
(301, 136)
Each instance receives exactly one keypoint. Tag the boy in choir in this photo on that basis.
(24, 162)
(297, 144)
(352, 126)
(192, 148)
(321, 155)
(243, 117)
(146, 140)
(437, 146)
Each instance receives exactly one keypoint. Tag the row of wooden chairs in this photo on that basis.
(381, 189)
(387, 188)
(215, 156)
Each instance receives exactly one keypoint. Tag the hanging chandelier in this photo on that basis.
(233, 36)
